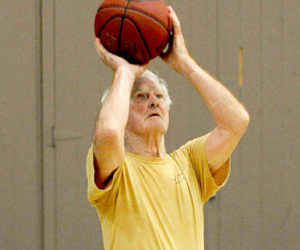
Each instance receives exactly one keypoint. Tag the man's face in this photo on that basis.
(149, 111)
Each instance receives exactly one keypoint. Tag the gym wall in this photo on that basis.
(51, 85)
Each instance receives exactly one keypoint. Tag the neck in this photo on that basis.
(151, 145)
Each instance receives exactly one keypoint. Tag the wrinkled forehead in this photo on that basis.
(146, 84)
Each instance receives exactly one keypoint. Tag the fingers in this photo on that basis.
(99, 48)
(104, 54)
(175, 21)
(168, 49)
(114, 61)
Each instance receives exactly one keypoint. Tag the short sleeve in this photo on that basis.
(209, 184)
(101, 197)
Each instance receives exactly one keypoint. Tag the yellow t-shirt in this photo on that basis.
(156, 203)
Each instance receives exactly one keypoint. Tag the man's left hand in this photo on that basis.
(177, 53)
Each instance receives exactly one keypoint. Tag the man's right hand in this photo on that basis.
(116, 62)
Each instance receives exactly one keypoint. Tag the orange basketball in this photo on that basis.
(136, 30)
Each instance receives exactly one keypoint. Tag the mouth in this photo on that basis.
(154, 114)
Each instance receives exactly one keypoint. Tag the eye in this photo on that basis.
(159, 96)
(141, 96)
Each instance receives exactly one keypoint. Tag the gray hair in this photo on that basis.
(149, 75)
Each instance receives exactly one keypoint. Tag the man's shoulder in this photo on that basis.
(190, 145)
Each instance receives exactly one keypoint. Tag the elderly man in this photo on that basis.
(146, 198)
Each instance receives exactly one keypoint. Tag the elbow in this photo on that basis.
(243, 123)
(238, 125)
(246, 119)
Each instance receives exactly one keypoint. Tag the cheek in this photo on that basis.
(135, 113)
(132, 117)
(165, 110)
(167, 115)
(168, 119)
(137, 110)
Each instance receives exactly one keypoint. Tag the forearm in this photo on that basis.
(114, 113)
(228, 112)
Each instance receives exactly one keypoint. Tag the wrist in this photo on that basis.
(124, 76)
(186, 66)
(125, 71)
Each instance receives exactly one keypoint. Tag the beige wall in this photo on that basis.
(20, 169)
(51, 78)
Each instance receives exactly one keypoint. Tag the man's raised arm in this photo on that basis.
(231, 117)
(112, 118)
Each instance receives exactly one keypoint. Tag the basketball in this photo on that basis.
(137, 30)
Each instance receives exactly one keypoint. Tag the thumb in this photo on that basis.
(168, 49)
(176, 23)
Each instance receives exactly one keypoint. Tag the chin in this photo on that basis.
(159, 128)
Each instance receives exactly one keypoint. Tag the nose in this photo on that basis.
(153, 102)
